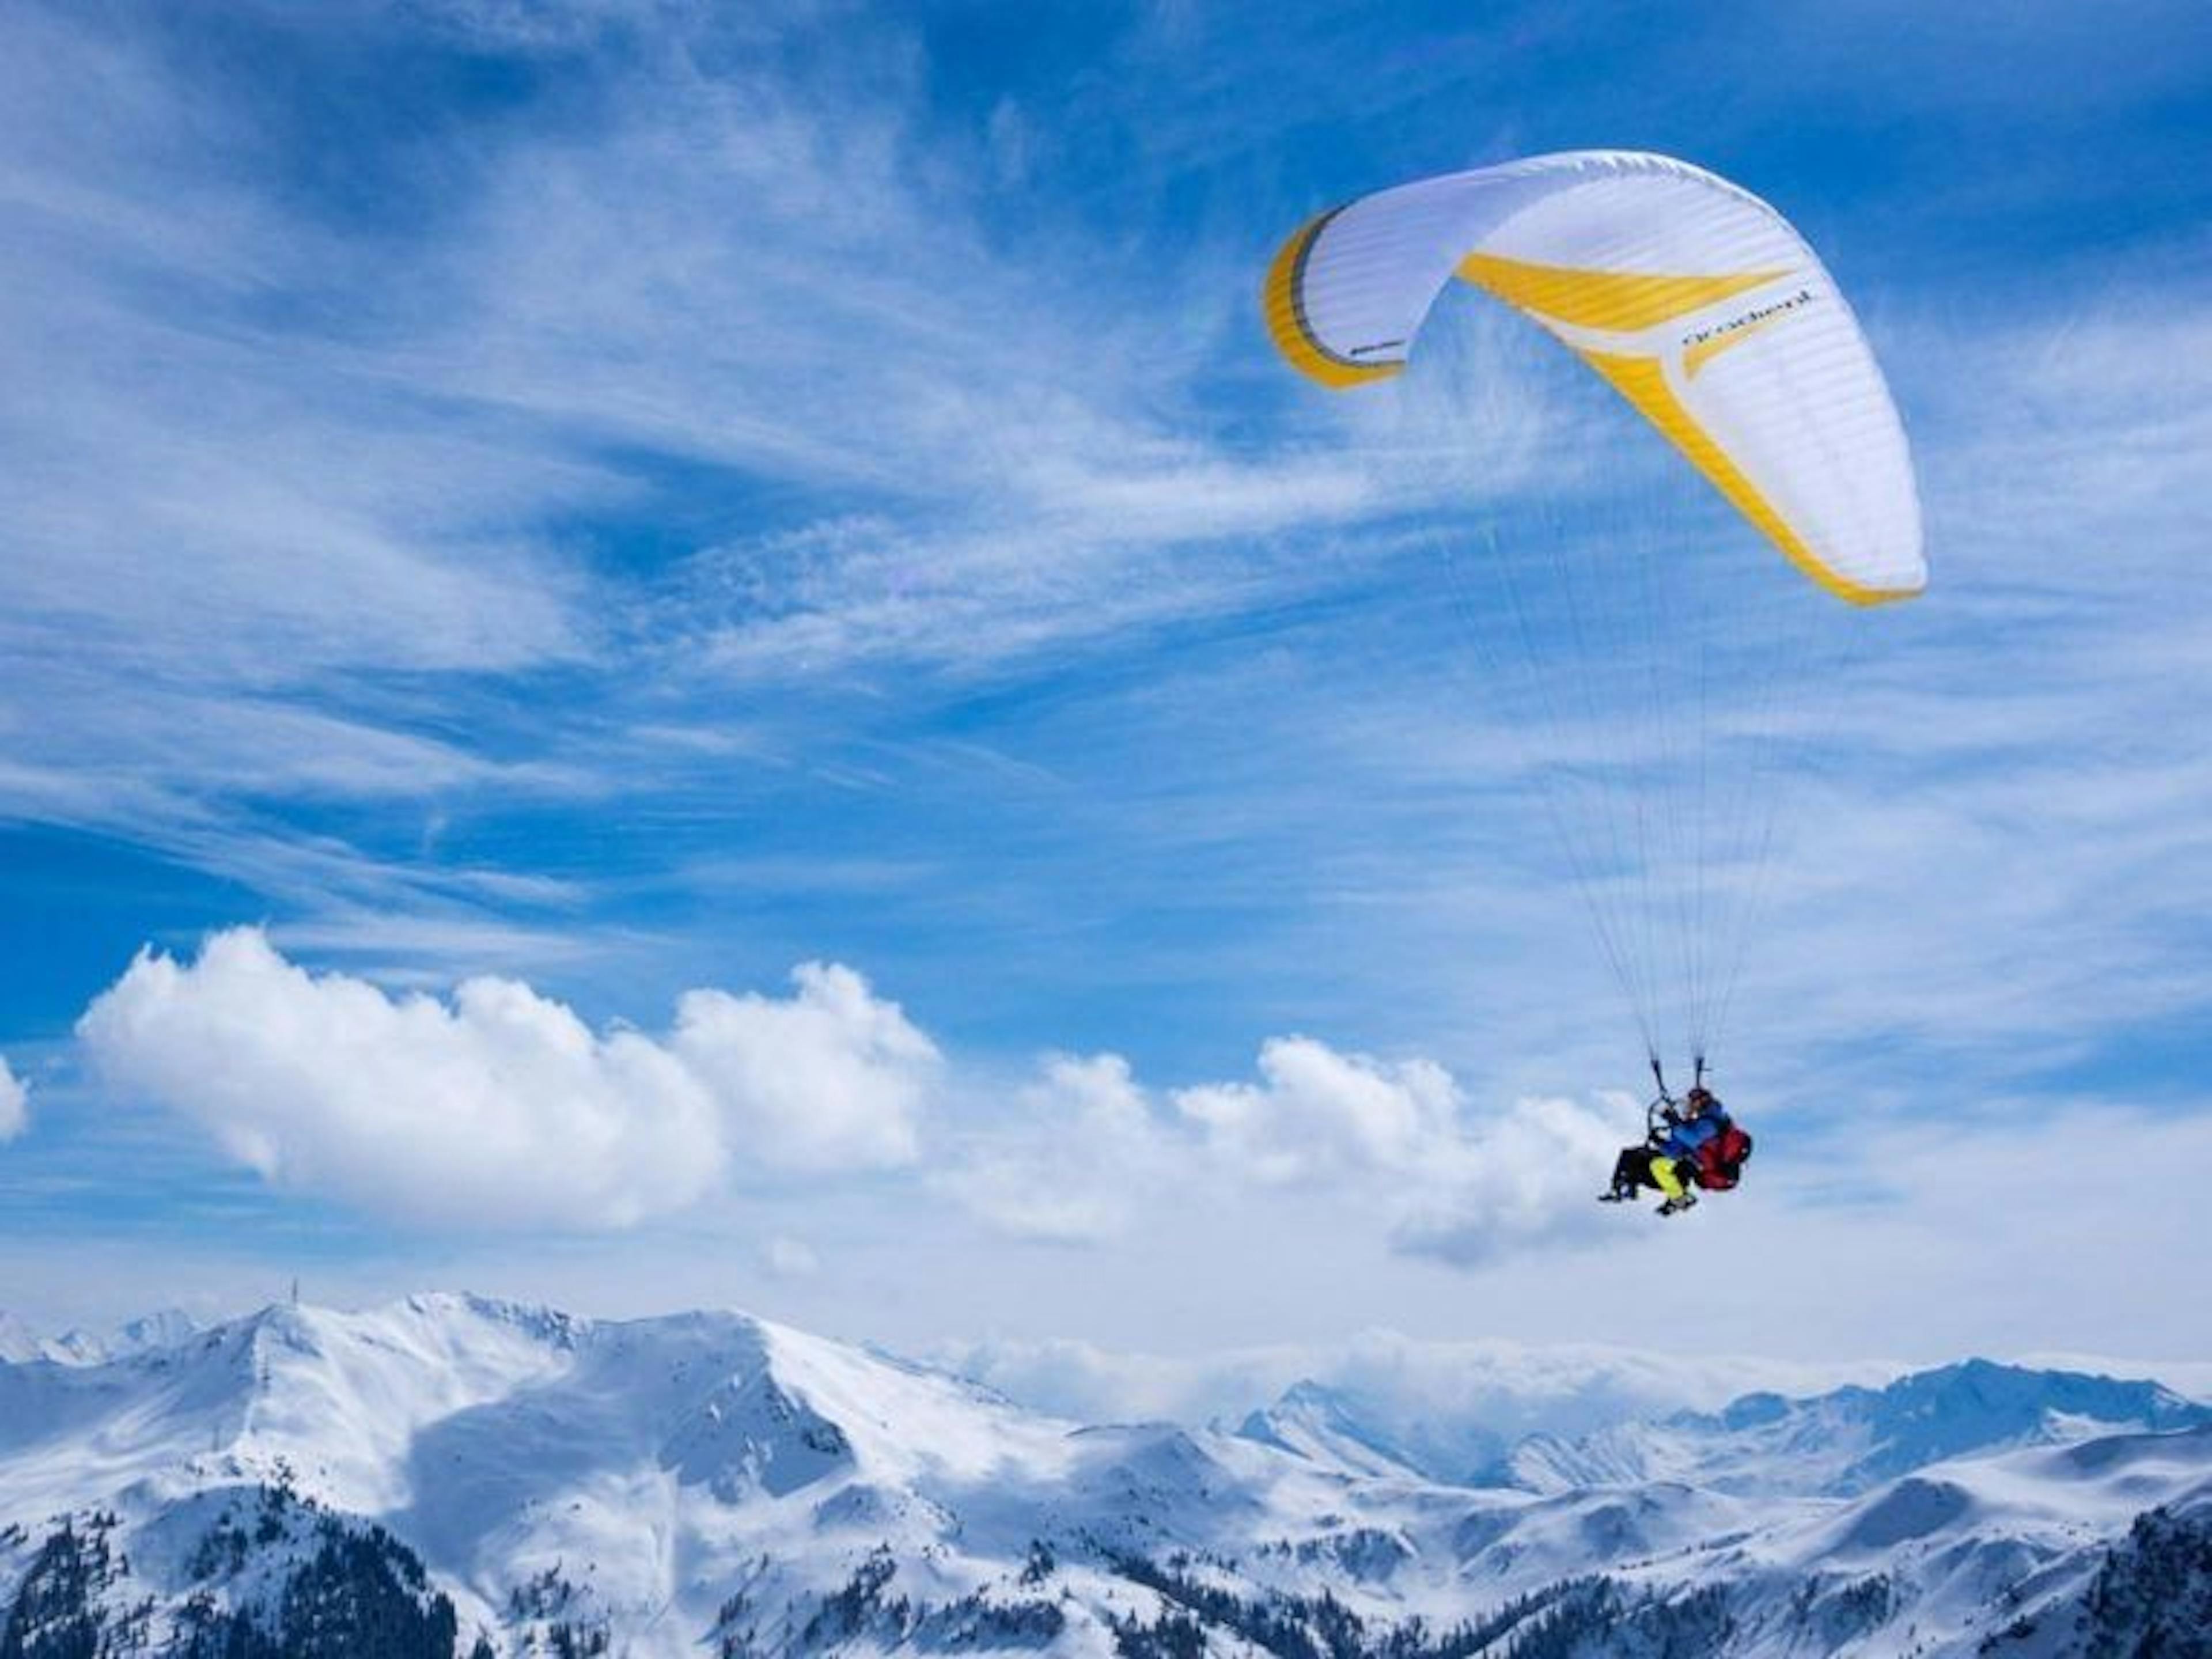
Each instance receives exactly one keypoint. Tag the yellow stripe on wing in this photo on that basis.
(1642, 381)
(1619, 302)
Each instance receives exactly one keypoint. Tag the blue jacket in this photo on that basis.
(1685, 1138)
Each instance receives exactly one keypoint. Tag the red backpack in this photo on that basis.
(1720, 1160)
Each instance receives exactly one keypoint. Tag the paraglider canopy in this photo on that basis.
(1695, 299)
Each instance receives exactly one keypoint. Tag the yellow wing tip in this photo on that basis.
(1873, 596)
(1286, 319)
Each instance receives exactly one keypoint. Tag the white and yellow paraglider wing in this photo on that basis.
(1695, 299)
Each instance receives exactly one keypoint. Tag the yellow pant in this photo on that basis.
(1664, 1171)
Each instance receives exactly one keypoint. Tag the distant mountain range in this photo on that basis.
(450, 1478)
(1836, 1445)
(18, 1341)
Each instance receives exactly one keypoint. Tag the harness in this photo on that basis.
(1717, 1164)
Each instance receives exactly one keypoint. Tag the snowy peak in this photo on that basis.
(148, 1334)
(1320, 1423)
(908, 1425)
(1339, 1428)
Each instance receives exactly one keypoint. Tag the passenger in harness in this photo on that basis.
(1696, 1143)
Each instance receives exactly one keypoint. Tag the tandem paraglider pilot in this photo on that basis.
(1694, 1144)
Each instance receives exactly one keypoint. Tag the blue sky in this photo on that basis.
(660, 654)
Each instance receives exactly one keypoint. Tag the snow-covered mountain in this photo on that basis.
(449, 1476)
(1317, 1422)
(1833, 1444)
(1852, 1440)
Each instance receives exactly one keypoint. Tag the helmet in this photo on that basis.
(1699, 1098)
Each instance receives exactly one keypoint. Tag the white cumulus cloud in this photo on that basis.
(1317, 1113)
(500, 1107)
(495, 1106)
(1084, 1148)
(1524, 1176)
(832, 1078)
(1466, 1187)
(1089, 1152)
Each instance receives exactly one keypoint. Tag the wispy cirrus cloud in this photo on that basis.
(15, 1102)
(333, 485)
